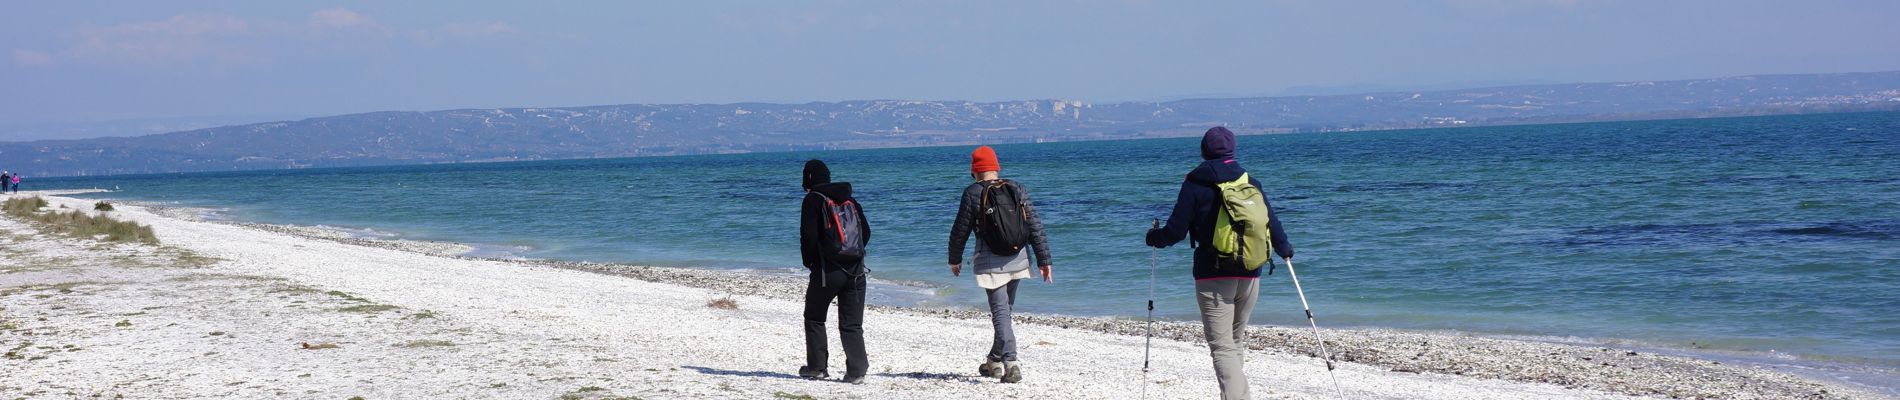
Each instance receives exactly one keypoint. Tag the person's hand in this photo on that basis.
(1149, 238)
(956, 269)
(1048, 274)
(1152, 239)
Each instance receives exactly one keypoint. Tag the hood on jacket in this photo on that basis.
(836, 191)
(1216, 171)
(1217, 143)
(815, 173)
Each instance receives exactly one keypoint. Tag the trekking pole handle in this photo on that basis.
(1157, 223)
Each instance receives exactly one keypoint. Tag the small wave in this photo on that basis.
(505, 252)
(1881, 230)
(359, 233)
(1819, 230)
(1403, 186)
(1741, 232)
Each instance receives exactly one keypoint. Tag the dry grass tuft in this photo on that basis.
(367, 308)
(427, 343)
(723, 303)
(318, 346)
(24, 206)
(78, 223)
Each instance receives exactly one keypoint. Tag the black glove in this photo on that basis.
(1154, 238)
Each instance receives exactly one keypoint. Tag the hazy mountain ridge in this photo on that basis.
(471, 135)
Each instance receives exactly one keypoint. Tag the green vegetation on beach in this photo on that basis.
(78, 223)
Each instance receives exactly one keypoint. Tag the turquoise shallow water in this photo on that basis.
(1769, 234)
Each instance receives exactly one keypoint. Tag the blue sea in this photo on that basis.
(1768, 237)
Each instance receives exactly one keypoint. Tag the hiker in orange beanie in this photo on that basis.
(999, 213)
(984, 160)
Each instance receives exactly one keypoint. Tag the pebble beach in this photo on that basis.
(224, 309)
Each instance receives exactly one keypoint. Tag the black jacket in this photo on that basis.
(811, 223)
(1194, 212)
(967, 212)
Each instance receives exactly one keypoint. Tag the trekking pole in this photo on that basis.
(1309, 320)
(1146, 347)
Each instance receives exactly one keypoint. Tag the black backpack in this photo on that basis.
(844, 234)
(1002, 223)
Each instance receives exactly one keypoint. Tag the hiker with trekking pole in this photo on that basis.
(1008, 230)
(1232, 227)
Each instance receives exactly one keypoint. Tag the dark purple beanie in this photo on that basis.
(1218, 143)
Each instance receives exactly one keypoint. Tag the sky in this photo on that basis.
(88, 61)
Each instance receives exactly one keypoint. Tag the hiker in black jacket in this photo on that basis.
(831, 278)
(1225, 295)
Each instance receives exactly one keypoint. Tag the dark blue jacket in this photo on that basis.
(1194, 212)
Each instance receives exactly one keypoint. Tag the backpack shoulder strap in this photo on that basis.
(1242, 181)
(991, 185)
(1015, 190)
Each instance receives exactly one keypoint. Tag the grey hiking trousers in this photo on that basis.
(1225, 306)
(1002, 303)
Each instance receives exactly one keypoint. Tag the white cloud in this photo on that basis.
(339, 18)
(181, 25)
(1515, 4)
(478, 29)
(462, 30)
(173, 41)
(31, 58)
(785, 23)
(217, 40)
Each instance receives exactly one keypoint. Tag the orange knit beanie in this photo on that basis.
(984, 160)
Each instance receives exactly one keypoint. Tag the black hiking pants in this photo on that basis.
(848, 289)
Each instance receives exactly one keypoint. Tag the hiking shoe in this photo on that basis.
(990, 369)
(1013, 374)
(808, 373)
(855, 380)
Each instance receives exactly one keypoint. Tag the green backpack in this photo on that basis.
(1241, 236)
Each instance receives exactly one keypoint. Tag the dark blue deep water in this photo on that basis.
(1768, 235)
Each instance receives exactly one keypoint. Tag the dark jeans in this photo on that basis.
(849, 290)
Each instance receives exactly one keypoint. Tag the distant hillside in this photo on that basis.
(385, 138)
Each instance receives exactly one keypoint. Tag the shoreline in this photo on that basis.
(1863, 375)
(1588, 366)
(1401, 364)
(1285, 339)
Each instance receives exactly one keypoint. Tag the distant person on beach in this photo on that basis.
(6, 180)
(999, 212)
(832, 234)
(16, 183)
(1225, 290)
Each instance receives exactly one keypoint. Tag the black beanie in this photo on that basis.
(1218, 143)
(816, 174)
